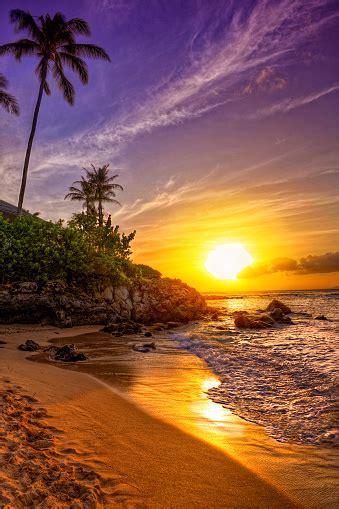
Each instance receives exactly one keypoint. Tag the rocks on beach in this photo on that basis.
(66, 353)
(144, 347)
(29, 346)
(321, 317)
(69, 353)
(276, 312)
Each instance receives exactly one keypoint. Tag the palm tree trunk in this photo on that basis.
(100, 211)
(30, 143)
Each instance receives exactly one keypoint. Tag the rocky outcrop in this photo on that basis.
(276, 312)
(277, 304)
(160, 300)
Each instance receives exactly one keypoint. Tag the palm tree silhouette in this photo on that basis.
(53, 42)
(7, 101)
(104, 188)
(84, 193)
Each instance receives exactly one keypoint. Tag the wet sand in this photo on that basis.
(171, 385)
(147, 461)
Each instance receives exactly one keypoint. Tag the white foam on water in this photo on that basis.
(284, 378)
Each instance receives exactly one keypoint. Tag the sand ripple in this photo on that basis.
(35, 471)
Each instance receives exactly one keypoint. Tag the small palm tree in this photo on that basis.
(7, 101)
(104, 188)
(84, 193)
(53, 42)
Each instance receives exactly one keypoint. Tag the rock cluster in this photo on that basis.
(29, 346)
(276, 312)
(160, 300)
(66, 353)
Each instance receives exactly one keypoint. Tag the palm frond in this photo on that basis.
(78, 26)
(76, 64)
(86, 50)
(9, 103)
(64, 84)
(3, 81)
(20, 48)
(23, 20)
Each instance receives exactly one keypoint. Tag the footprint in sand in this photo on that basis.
(34, 473)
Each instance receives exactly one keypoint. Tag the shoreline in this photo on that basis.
(171, 384)
(168, 467)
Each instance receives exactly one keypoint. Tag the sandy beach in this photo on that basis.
(131, 459)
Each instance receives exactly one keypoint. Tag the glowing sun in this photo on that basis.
(227, 260)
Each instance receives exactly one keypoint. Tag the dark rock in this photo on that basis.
(277, 314)
(321, 317)
(159, 326)
(29, 346)
(274, 304)
(68, 353)
(257, 321)
(51, 349)
(3, 342)
(148, 334)
(286, 319)
(144, 347)
(109, 328)
(172, 325)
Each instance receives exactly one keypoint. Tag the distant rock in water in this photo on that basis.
(68, 353)
(277, 304)
(255, 321)
(276, 312)
(29, 346)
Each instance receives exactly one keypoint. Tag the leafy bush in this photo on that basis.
(146, 271)
(79, 254)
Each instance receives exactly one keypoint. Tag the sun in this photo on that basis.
(227, 260)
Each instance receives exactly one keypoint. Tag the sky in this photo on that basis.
(220, 118)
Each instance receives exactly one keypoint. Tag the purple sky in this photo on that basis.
(209, 109)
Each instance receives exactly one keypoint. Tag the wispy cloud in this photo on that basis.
(292, 103)
(231, 45)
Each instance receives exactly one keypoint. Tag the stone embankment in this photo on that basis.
(146, 302)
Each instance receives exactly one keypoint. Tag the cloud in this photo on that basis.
(292, 103)
(312, 264)
(268, 80)
(283, 264)
(232, 43)
(328, 262)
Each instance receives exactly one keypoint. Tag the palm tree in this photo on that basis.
(53, 42)
(7, 101)
(84, 193)
(104, 188)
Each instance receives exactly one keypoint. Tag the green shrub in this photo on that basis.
(77, 254)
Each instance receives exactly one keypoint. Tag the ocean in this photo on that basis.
(283, 378)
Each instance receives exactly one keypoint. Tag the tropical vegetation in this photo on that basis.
(76, 254)
(7, 101)
(53, 41)
(98, 187)
(88, 252)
